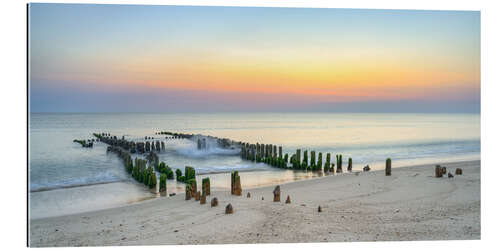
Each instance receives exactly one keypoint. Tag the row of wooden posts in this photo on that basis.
(139, 169)
(273, 155)
(267, 153)
(133, 147)
(175, 135)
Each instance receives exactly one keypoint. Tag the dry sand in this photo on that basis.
(409, 205)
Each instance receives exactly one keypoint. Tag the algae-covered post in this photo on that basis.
(205, 185)
(178, 174)
(388, 167)
(320, 161)
(297, 156)
(313, 160)
(305, 161)
(339, 163)
(349, 165)
(327, 163)
(163, 183)
(280, 152)
(189, 173)
(235, 183)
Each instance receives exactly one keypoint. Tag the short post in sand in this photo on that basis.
(235, 183)
(205, 185)
(277, 193)
(203, 199)
(438, 171)
(214, 202)
(388, 167)
(229, 209)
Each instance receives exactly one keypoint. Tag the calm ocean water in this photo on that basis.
(66, 178)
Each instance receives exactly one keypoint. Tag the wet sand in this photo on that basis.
(409, 205)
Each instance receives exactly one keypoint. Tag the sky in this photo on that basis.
(135, 58)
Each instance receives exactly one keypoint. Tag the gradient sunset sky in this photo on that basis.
(132, 58)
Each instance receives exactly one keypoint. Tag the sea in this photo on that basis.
(65, 178)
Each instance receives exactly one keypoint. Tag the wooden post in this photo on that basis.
(305, 161)
(206, 185)
(438, 171)
(280, 152)
(349, 165)
(188, 192)
(236, 183)
(163, 183)
(320, 161)
(327, 163)
(313, 158)
(258, 152)
(297, 156)
(339, 163)
(277, 194)
(387, 166)
(232, 182)
(203, 199)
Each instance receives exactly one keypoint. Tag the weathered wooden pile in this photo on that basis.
(235, 183)
(388, 166)
(205, 185)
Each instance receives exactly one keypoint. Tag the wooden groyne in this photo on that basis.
(145, 170)
(273, 156)
(142, 170)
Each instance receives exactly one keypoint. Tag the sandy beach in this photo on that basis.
(369, 206)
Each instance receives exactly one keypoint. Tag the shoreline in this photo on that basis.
(409, 205)
(178, 188)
